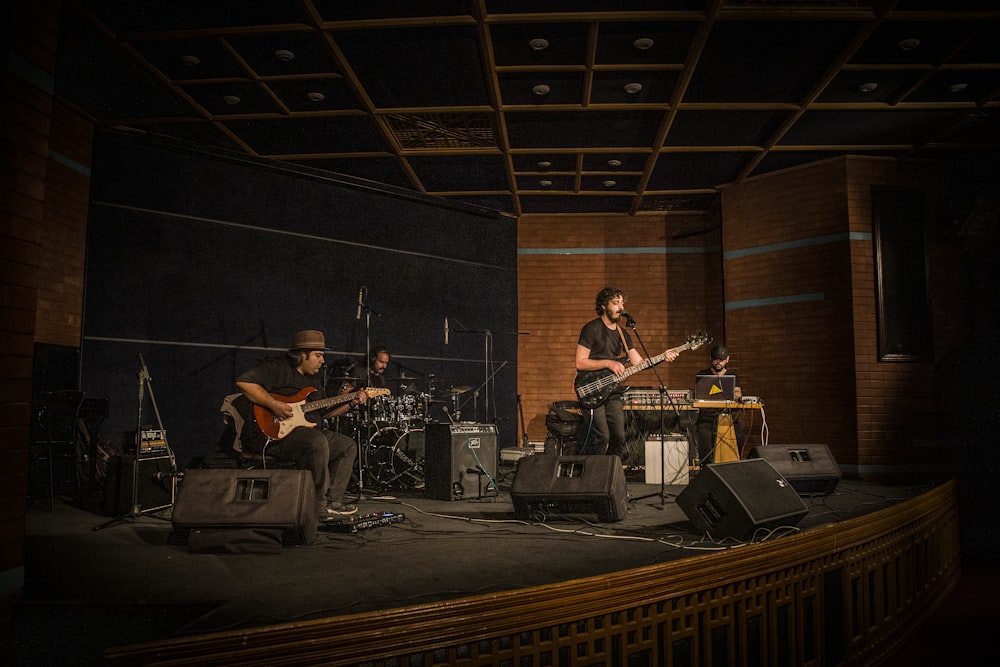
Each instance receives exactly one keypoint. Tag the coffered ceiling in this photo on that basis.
(545, 106)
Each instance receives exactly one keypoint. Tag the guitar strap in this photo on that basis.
(621, 335)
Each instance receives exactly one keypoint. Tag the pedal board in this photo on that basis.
(356, 524)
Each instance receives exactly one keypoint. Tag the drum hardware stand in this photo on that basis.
(145, 383)
(363, 307)
(663, 436)
(487, 361)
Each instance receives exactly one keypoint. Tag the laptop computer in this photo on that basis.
(714, 387)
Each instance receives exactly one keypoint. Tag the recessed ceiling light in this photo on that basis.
(284, 55)
(909, 44)
(545, 183)
(538, 44)
(610, 184)
(541, 89)
(643, 43)
(614, 163)
(315, 96)
(190, 61)
(544, 164)
(633, 88)
(232, 100)
(868, 87)
(957, 87)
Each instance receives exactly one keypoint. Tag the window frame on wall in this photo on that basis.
(899, 224)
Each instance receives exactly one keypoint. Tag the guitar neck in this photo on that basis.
(652, 361)
(329, 402)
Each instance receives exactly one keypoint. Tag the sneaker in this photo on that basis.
(339, 509)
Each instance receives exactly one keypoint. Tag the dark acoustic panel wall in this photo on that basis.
(545, 484)
(810, 469)
(205, 264)
(739, 498)
(460, 460)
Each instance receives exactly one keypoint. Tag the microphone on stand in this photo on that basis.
(445, 329)
(361, 296)
(629, 320)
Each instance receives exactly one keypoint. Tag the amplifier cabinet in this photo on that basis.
(277, 499)
(154, 484)
(546, 485)
(460, 460)
(810, 469)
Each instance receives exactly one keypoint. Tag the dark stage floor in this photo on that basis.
(87, 589)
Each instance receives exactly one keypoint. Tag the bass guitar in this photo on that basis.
(276, 429)
(593, 388)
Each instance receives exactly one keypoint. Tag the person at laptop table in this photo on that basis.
(708, 418)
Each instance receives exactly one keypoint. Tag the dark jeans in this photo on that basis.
(603, 429)
(329, 456)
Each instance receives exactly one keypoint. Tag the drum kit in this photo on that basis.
(389, 431)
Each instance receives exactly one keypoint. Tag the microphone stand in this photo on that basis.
(145, 381)
(663, 437)
(363, 307)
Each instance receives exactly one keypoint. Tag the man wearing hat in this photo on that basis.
(708, 418)
(329, 456)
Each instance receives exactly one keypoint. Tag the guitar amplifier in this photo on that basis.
(460, 460)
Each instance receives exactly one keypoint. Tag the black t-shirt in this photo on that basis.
(603, 343)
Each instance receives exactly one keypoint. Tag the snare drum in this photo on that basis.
(395, 458)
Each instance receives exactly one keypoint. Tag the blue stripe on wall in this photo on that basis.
(800, 243)
(31, 73)
(775, 301)
(67, 162)
(616, 251)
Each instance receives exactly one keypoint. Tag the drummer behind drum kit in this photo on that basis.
(390, 432)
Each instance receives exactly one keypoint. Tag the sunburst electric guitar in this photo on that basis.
(276, 429)
(593, 388)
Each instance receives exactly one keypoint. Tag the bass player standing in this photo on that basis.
(604, 346)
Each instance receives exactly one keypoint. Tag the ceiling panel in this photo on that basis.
(537, 105)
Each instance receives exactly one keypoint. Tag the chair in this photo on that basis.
(59, 440)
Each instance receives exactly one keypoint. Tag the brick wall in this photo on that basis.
(801, 312)
(44, 150)
(564, 261)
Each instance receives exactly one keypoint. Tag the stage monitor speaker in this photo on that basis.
(545, 484)
(460, 460)
(278, 500)
(810, 469)
(738, 498)
(155, 484)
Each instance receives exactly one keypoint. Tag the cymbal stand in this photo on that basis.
(145, 383)
(363, 307)
(663, 436)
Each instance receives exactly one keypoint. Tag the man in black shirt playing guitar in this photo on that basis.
(603, 349)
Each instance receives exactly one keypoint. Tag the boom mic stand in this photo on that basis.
(664, 396)
(363, 307)
(145, 383)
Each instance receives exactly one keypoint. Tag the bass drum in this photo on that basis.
(394, 458)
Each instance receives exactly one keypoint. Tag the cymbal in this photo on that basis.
(404, 377)
(455, 391)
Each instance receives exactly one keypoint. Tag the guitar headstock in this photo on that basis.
(695, 341)
(374, 392)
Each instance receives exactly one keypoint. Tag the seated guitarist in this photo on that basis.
(328, 455)
(605, 346)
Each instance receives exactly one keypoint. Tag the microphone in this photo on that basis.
(361, 295)
(160, 476)
(445, 329)
(629, 320)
